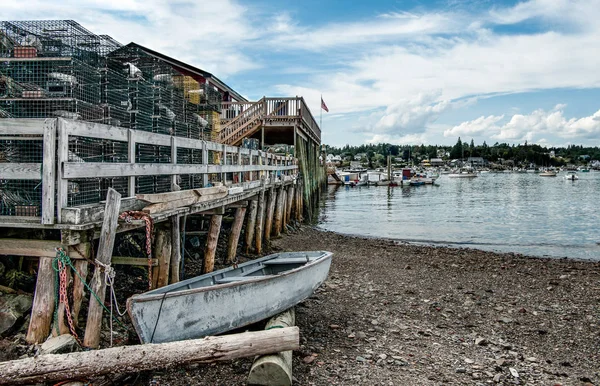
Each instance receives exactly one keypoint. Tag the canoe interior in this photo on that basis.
(266, 266)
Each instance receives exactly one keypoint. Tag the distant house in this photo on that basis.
(476, 161)
(584, 157)
(360, 156)
(436, 162)
(552, 154)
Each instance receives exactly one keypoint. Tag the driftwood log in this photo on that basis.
(124, 359)
(276, 368)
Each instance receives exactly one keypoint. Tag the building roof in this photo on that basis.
(189, 68)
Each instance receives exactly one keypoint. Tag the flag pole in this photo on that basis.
(321, 114)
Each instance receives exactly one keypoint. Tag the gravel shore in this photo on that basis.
(398, 314)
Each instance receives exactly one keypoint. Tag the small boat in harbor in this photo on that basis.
(229, 298)
(548, 173)
(463, 173)
(571, 176)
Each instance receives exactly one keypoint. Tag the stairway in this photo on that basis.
(244, 125)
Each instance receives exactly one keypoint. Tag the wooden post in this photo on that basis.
(274, 369)
(260, 215)
(211, 242)
(81, 266)
(234, 236)
(125, 359)
(290, 203)
(278, 213)
(175, 249)
(269, 215)
(98, 284)
(162, 252)
(284, 211)
(48, 168)
(43, 303)
(251, 223)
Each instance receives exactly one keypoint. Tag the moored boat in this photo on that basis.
(229, 298)
(571, 176)
(548, 173)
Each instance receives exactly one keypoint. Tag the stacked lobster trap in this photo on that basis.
(58, 69)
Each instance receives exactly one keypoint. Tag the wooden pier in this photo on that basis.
(265, 190)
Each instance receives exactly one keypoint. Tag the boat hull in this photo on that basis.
(166, 315)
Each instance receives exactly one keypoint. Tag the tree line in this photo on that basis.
(519, 154)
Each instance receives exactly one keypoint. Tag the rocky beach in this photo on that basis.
(392, 313)
(398, 314)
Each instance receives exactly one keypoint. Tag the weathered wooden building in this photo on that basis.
(94, 133)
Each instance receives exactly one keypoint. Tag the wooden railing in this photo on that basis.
(57, 169)
(239, 119)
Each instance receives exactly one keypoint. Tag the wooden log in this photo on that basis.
(290, 203)
(274, 369)
(234, 236)
(162, 250)
(43, 303)
(269, 215)
(211, 243)
(250, 224)
(126, 359)
(260, 215)
(98, 284)
(278, 213)
(175, 249)
(81, 266)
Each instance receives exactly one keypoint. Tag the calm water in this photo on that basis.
(506, 212)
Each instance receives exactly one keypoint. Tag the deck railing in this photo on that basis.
(80, 160)
(238, 119)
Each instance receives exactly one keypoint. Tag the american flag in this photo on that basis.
(323, 105)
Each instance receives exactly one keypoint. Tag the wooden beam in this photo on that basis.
(98, 284)
(126, 359)
(48, 174)
(139, 261)
(21, 171)
(234, 236)
(38, 248)
(250, 225)
(175, 249)
(43, 303)
(211, 243)
(21, 126)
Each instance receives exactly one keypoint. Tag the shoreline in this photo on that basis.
(400, 314)
(395, 313)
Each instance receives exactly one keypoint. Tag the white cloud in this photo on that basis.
(538, 126)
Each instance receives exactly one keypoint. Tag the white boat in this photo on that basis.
(228, 299)
(463, 173)
(571, 176)
(548, 173)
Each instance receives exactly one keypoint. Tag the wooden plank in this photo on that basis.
(48, 175)
(211, 243)
(21, 171)
(35, 248)
(81, 266)
(94, 130)
(21, 126)
(182, 194)
(131, 159)
(234, 236)
(62, 152)
(139, 261)
(98, 284)
(169, 205)
(39, 59)
(95, 212)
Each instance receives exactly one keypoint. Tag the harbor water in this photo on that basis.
(504, 212)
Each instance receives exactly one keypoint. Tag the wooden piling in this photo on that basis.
(250, 224)
(162, 252)
(211, 242)
(98, 283)
(175, 249)
(260, 215)
(278, 213)
(43, 303)
(234, 236)
(290, 203)
(269, 215)
(284, 211)
(81, 267)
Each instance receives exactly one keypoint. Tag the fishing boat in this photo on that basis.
(229, 298)
(548, 173)
(571, 176)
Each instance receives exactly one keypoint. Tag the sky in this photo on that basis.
(404, 72)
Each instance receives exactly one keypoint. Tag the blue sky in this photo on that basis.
(405, 72)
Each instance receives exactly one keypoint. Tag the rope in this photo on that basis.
(60, 254)
(130, 215)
